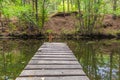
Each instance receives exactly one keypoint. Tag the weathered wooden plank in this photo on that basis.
(54, 78)
(55, 44)
(53, 53)
(54, 58)
(52, 62)
(56, 51)
(71, 56)
(52, 66)
(55, 48)
(52, 73)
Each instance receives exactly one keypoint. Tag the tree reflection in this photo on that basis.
(14, 56)
(100, 59)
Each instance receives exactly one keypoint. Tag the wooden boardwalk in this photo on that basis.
(53, 61)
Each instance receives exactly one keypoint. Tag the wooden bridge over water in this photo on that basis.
(53, 61)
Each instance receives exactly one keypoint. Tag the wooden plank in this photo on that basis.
(54, 78)
(46, 73)
(70, 56)
(52, 53)
(55, 51)
(52, 62)
(47, 51)
(54, 58)
(56, 44)
(55, 48)
(53, 66)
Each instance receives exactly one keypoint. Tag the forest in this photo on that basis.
(90, 28)
(60, 17)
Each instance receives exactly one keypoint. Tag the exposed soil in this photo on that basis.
(111, 25)
(61, 23)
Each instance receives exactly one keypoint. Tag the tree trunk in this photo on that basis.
(43, 13)
(80, 17)
(1, 17)
(68, 5)
(36, 7)
(33, 6)
(114, 8)
(64, 7)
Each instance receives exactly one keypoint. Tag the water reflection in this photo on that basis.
(100, 59)
(14, 55)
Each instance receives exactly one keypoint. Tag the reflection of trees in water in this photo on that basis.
(4, 66)
(7, 61)
(100, 62)
(119, 66)
(14, 56)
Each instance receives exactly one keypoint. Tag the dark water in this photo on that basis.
(14, 56)
(100, 59)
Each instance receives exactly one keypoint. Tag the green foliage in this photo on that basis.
(60, 7)
(117, 12)
(24, 12)
(49, 31)
(12, 11)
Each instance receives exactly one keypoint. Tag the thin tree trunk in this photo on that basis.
(71, 4)
(24, 2)
(89, 16)
(114, 8)
(80, 17)
(68, 5)
(1, 17)
(33, 6)
(64, 7)
(111, 64)
(43, 13)
(36, 7)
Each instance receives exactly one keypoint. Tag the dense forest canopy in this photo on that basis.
(36, 12)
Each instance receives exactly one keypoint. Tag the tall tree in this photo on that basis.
(33, 6)
(36, 7)
(64, 6)
(43, 12)
(114, 8)
(68, 5)
(1, 14)
(80, 17)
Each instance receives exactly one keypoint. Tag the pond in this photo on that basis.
(14, 56)
(100, 59)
